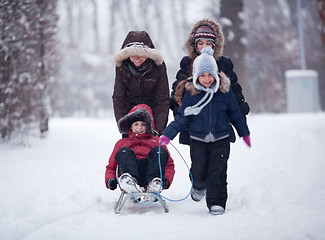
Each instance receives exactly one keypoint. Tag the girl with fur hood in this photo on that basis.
(137, 155)
(206, 33)
(141, 78)
(208, 106)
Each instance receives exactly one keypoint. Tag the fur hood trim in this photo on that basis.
(140, 112)
(138, 51)
(138, 43)
(219, 41)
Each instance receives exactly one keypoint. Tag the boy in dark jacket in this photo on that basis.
(208, 106)
(206, 33)
(137, 155)
(141, 78)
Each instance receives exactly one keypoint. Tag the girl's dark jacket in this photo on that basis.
(214, 117)
(224, 65)
(149, 87)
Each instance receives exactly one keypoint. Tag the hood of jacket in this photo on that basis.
(219, 41)
(138, 43)
(140, 112)
(223, 87)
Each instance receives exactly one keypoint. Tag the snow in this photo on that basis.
(55, 188)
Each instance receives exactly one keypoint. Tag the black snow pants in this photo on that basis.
(143, 169)
(209, 169)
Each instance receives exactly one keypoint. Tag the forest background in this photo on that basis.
(56, 56)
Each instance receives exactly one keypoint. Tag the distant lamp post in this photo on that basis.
(301, 36)
(302, 88)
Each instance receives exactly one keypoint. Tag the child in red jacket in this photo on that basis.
(137, 155)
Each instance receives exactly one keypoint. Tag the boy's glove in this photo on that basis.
(163, 140)
(124, 135)
(247, 140)
(165, 183)
(112, 183)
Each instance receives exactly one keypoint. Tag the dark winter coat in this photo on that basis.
(224, 65)
(214, 117)
(149, 86)
(140, 144)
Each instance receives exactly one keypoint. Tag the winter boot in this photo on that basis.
(129, 184)
(197, 195)
(217, 210)
(154, 186)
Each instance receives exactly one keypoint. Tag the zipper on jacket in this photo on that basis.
(210, 117)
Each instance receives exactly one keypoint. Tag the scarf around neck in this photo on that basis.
(142, 69)
(196, 108)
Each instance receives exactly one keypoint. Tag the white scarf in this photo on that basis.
(196, 109)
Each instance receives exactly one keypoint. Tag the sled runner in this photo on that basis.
(139, 197)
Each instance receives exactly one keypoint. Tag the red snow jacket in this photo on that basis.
(140, 144)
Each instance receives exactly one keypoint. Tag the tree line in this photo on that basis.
(56, 55)
(27, 65)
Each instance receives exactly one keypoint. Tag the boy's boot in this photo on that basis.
(129, 184)
(154, 186)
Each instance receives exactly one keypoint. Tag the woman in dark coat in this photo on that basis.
(141, 78)
(206, 33)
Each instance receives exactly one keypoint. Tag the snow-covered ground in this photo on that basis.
(55, 188)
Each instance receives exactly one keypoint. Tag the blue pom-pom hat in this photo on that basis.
(205, 62)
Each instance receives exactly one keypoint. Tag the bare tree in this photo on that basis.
(272, 47)
(321, 14)
(70, 24)
(231, 20)
(144, 12)
(95, 25)
(111, 12)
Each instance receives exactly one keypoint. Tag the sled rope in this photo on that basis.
(182, 199)
(161, 177)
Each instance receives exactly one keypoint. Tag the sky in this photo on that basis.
(54, 188)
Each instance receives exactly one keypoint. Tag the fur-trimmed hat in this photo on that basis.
(138, 43)
(140, 112)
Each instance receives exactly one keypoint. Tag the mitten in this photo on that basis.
(163, 140)
(165, 183)
(247, 140)
(124, 135)
(112, 183)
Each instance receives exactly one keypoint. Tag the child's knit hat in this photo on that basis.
(204, 32)
(204, 63)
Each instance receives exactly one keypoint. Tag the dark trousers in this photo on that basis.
(209, 169)
(143, 169)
